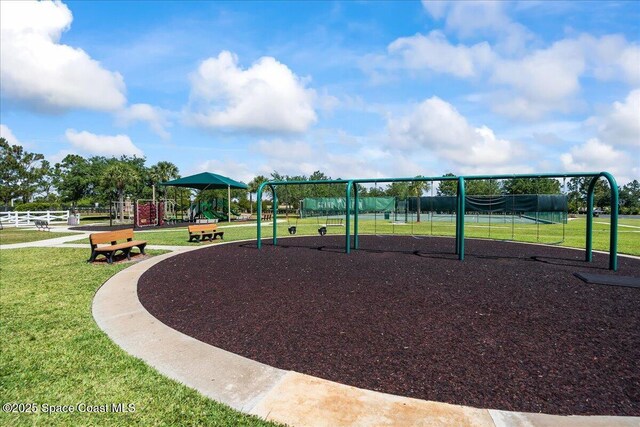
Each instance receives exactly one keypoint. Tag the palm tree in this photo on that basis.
(163, 172)
(118, 175)
(416, 188)
(253, 188)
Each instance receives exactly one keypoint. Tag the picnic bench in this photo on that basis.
(204, 232)
(42, 225)
(109, 241)
(266, 217)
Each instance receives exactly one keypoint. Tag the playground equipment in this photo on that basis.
(211, 210)
(126, 208)
(351, 186)
(150, 213)
(209, 181)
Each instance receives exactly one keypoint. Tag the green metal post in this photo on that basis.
(457, 219)
(356, 240)
(457, 234)
(275, 215)
(347, 241)
(589, 237)
(613, 230)
(259, 213)
(461, 195)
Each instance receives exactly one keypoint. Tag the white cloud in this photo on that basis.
(596, 156)
(436, 125)
(267, 96)
(437, 8)
(280, 149)
(616, 148)
(102, 145)
(548, 73)
(621, 126)
(233, 169)
(611, 57)
(42, 73)
(471, 19)
(156, 118)
(434, 52)
(7, 134)
(518, 82)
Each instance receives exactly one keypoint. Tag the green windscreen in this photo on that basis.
(314, 206)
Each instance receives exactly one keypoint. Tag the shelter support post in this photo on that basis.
(229, 203)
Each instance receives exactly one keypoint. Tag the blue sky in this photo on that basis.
(355, 89)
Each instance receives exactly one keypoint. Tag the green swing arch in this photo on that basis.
(351, 191)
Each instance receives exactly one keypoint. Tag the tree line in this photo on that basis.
(31, 182)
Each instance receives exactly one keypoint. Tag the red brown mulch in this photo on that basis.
(508, 328)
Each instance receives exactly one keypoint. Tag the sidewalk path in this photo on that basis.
(48, 242)
(61, 242)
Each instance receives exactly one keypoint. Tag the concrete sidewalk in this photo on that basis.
(48, 242)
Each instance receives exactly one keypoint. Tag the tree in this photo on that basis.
(21, 172)
(482, 187)
(447, 188)
(253, 185)
(325, 190)
(630, 197)
(163, 172)
(578, 188)
(72, 178)
(399, 190)
(531, 186)
(416, 188)
(117, 176)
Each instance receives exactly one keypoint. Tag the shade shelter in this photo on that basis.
(209, 181)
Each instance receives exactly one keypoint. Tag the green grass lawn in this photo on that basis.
(54, 353)
(94, 219)
(574, 232)
(18, 235)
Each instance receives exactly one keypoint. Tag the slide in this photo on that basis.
(209, 215)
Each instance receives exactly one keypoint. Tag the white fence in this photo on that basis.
(20, 219)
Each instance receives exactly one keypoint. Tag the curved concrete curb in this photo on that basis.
(274, 394)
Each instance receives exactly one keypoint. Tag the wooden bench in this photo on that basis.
(204, 232)
(266, 217)
(111, 238)
(41, 225)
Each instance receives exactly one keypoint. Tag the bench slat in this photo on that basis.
(202, 228)
(119, 246)
(111, 236)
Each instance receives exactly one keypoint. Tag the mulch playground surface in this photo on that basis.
(508, 328)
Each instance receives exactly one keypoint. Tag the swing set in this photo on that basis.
(460, 203)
